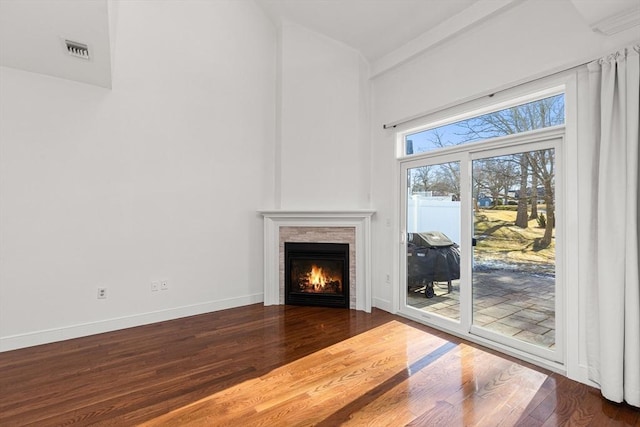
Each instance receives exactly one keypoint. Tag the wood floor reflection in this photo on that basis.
(288, 366)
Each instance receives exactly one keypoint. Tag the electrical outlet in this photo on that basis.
(102, 293)
(155, 286)
(388, 278)
(164, 285)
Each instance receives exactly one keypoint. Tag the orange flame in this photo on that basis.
(317, 278)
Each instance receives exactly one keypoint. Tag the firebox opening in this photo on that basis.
(317, 274)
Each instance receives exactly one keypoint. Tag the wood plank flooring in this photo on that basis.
(288, 366)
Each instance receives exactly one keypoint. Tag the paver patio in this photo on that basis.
(513, 303)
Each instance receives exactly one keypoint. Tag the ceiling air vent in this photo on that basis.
(76, 49)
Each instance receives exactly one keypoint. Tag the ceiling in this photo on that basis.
(373, 27)
(390, 32)
(32, 32)
(385, 32)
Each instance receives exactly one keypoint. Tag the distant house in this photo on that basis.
(485, 202)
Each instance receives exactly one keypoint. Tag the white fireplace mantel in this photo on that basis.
(360, 220)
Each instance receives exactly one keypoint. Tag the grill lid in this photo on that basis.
(432, 239)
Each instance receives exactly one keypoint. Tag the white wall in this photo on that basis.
(530, 40)
(324, 122)
(159, 178)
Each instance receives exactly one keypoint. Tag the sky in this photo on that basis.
(454, 133)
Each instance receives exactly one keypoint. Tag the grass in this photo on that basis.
(498, 239)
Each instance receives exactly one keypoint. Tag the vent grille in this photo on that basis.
(76, 49)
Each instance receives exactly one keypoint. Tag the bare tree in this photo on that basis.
(522, 220)
(534, 115)
(534, 196)
(495, 176)
(449, 179)
(422, 179)
(543, 167)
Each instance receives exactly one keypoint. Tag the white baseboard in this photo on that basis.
(383, 304)
(30, 339)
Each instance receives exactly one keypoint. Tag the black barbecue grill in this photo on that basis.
(431, 258)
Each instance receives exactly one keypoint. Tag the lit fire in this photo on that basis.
(317, 278)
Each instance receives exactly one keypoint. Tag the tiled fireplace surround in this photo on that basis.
(352, 227)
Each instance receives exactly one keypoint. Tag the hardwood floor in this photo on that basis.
(289, 366)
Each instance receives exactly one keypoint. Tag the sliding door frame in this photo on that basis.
(465, 240)
(552, 137)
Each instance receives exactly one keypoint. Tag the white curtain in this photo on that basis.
(608, 175)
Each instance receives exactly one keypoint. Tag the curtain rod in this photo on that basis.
(392, 125)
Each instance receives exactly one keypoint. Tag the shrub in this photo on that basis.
(542, 221)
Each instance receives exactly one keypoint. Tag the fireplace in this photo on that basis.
(317, 274)
(352, 227)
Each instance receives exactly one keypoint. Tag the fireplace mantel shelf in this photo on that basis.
(359, 219)
(317, 213)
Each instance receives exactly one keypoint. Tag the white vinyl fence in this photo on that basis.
(434, 214)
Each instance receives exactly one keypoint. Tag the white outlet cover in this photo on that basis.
(155, 286)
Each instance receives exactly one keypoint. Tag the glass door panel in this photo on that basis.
(514, 257)
(433, 239)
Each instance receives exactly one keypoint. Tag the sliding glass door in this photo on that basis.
(514, 259)
(433, 210)
(479, 242)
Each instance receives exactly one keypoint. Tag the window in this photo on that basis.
(538, 114)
